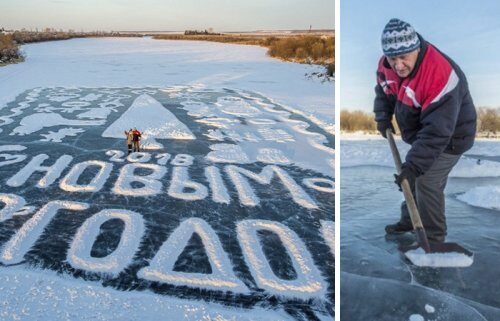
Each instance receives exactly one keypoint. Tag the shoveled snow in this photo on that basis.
(44, 296)
(454, 259)
(482, 196)
(38, 121)
(152, 119)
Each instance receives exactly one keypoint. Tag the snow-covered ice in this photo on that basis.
(378, 281)
(238, 149)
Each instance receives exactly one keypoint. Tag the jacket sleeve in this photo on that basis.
(382, 108)
(438, 120)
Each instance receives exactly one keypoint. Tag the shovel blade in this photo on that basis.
(449, 247)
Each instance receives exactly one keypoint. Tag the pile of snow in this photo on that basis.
(453, 259)
(482, 196)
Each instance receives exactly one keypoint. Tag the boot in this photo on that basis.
(398, 228)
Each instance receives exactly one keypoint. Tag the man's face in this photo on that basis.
(403, 64)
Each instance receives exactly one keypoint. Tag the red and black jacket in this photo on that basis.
(433, 107)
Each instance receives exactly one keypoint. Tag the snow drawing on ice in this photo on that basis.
(221, 278)
(154, 120)
(182, 219)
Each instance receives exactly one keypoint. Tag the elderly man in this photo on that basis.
(428, 95)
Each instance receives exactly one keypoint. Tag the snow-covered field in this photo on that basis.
(377, 280)
(226, 213)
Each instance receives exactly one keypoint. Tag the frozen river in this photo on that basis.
(377, 281)
(226, 213)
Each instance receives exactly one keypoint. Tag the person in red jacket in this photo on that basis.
(136, 139)
(429, 96)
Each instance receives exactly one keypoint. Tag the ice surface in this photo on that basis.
(373, 267)
(451, 259)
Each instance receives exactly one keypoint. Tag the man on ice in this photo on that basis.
(428, 94)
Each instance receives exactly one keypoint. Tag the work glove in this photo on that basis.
(408, 173)
(383, 125)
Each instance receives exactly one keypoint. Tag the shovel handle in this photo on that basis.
(410, 201)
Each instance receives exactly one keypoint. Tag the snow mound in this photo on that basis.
(482, 196)
(420, 258)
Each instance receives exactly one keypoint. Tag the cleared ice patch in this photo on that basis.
(420, 258)
(482, 196)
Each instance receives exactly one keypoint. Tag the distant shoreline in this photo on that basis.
(374, 135)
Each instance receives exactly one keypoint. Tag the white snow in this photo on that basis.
(152, 185)
(33, 123)
(377, 153)
(453, 259)
(52, 172)
(328, 232)
(69, 182)
(313, 183)
(11, 158)
(11, 204)
(247, 195)
(429, 308)
(153, 120)
(180, 181)
(309, 282)
(217, 187)
(58, 136)
(482, 196)
(18, 245)
(79, 252)
(227, 153)
(44, 296)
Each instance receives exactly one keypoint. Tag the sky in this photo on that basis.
(167, 15)
(466, 31)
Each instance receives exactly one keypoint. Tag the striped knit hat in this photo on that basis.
(399, 38)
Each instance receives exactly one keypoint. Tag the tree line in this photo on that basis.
(488, 123)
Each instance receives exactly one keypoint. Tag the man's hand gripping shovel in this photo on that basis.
(423, 242)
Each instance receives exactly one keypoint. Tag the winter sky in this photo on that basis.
(173, 15)
(467, 31)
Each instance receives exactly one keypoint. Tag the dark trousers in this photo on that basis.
(429, 195)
